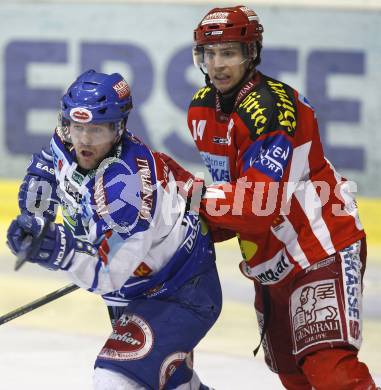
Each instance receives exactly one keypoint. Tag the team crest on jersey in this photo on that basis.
(81, 115)
(131, 339)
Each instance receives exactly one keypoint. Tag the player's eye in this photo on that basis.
(77, 128)
(229, 53)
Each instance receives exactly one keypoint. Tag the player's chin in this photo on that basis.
(87, 163)
(223, 85)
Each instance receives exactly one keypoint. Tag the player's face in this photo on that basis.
(225, 64)
(92, 142)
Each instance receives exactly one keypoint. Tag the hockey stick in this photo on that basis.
(37, 303)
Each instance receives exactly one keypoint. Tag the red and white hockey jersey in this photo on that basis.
(272, 184)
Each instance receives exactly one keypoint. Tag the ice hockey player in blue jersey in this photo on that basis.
(126, 236)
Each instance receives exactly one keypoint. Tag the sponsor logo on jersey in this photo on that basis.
(315, 314)
(351, 266)
(193, 225)
(142, 270)
(269, 156)
(201, 93)
(44, 167)
(220, 141)
(131, 339)
(77, 177)
(122, 89)
(155, 291)
(321, 264)
(251, 104)
(169, 366)
(81, 115)
(62, 244)
(72, 190)
(286, 108)
(271, 271)
(147, 189)
(218, 167)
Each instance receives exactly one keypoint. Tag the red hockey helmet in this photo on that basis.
(230, 24)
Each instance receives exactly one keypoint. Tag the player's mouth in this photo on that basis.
(222, 81)
(222, 78)
(86, 154)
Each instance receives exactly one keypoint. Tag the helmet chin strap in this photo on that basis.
(207, 78)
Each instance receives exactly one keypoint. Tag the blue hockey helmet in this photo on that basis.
(97, 98)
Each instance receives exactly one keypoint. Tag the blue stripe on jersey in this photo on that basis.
(96, 275)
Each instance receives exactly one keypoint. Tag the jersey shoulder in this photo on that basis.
(124, 191)
(204, 97)
(271, 106)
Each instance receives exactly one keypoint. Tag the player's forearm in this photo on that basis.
(241, 206)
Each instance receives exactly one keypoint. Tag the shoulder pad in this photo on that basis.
(124, 196)
(268, 108)
(204, 97)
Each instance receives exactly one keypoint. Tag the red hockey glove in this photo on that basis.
(189, 187)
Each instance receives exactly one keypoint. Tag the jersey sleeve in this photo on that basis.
(263, 131)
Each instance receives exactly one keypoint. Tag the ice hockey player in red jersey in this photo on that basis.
(295, 217)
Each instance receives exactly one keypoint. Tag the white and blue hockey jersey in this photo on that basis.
(135, 237)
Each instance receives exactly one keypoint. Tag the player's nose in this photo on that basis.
(86, 138)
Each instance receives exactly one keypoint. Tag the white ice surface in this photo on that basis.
(48, 360)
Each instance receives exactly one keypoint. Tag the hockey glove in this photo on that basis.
(55, 250)
(38, 191)
(189, 187)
